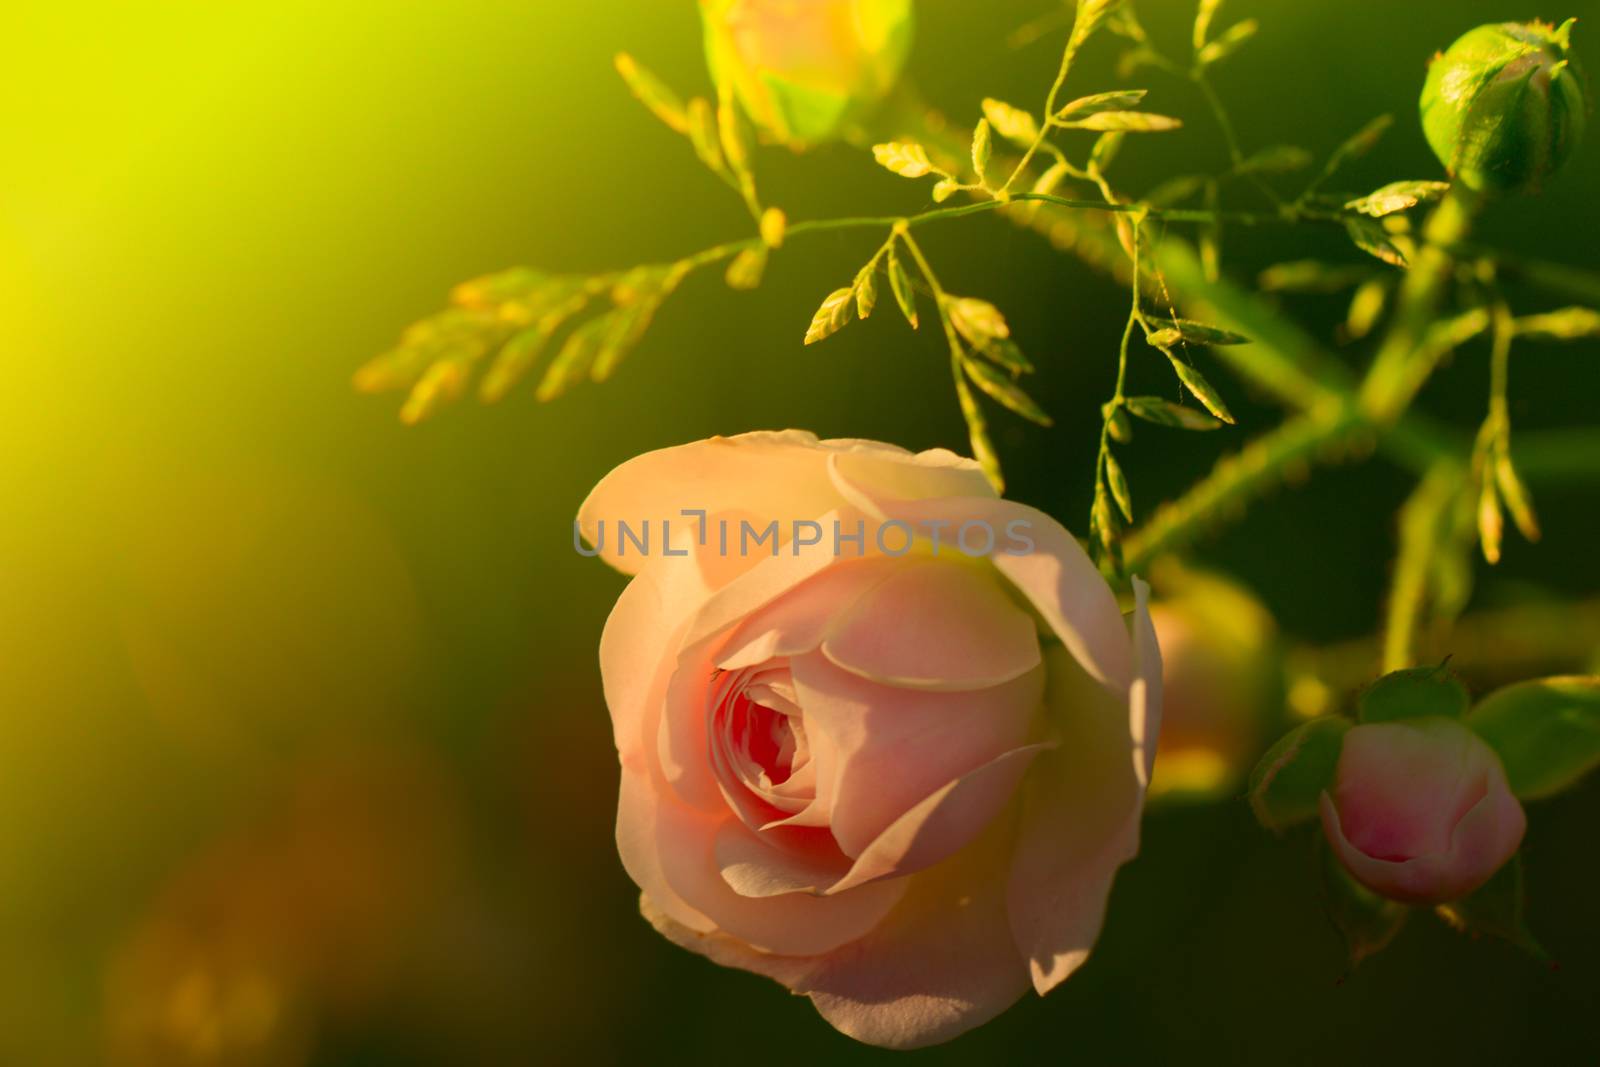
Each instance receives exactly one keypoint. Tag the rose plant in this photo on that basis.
(897, 777)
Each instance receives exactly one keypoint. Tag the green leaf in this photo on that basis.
(572, 362)
(900, 284)
(703, 134)
(1276, 159)
(1568, 324)
(1174, 190)
(1202, 22)
(746, 269)
(1165, 413)
(1547, 732)
(1119, 487)
(1083, 107)
(832, 315)
(866, 292)
(1192, 332)
(1051, 179)
(1231, 40)
(1287, 783)
(982, 148)
(905, 158)
(1091, 15)
(1012, 123)
(1202, 389)
(978, 434)
(1005, 352)
(944, 189)
(1496, 909)
(1372, 239)
(1414, 693)
(734, 135)
(1125, 122)
(1366, 921)
(1004, 391)
(653, 93)
(1358, 144)
(1366, 307)
(1397, 196)
(1310, 276)
(1515, 494)
(977, 320)
(523, 350)
(1105, 149)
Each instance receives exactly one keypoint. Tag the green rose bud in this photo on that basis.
(804, 69)
(1504, 106)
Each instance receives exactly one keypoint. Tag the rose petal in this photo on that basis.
(770, 475)
(889, 748)
(798, 620)
(935, 624)
(795, 924)
(944, 822)
(1401, 787)
(938, 965)
(868, 474)
(1081, 807)
(769, 863)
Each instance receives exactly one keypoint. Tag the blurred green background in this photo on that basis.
(303, 757)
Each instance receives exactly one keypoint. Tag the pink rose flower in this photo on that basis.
(1420, 810)
(898, 782)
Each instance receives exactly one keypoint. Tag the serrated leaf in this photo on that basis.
(1195, 333)
(1366, 921)
(774, 224)
(1567, 324)
(746, 269)
(866, 292)
(653, 93)
(944, 189)
(1119, 487)
(1276, 159)
(703, 134)
(1546, 732)
(1397, 196)
(440, 383)
(1121, 428)
(1125, 122)
(1372, 239)
(1165, 413)
(982, 148)
(1413, 693)
(905, 158)
(1004, 391)
(977, 320)
(1083, 107)
(1104, 529)
(627, 325)
(1202, 389)
(832, 315)
(900, 284)
(1366, 307)
(1310, 276)
(519, 285)
(1015, 125)
(1232, 39)
(1287, 783)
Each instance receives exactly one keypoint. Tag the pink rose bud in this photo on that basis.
(1420, 810)
(895, 774)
